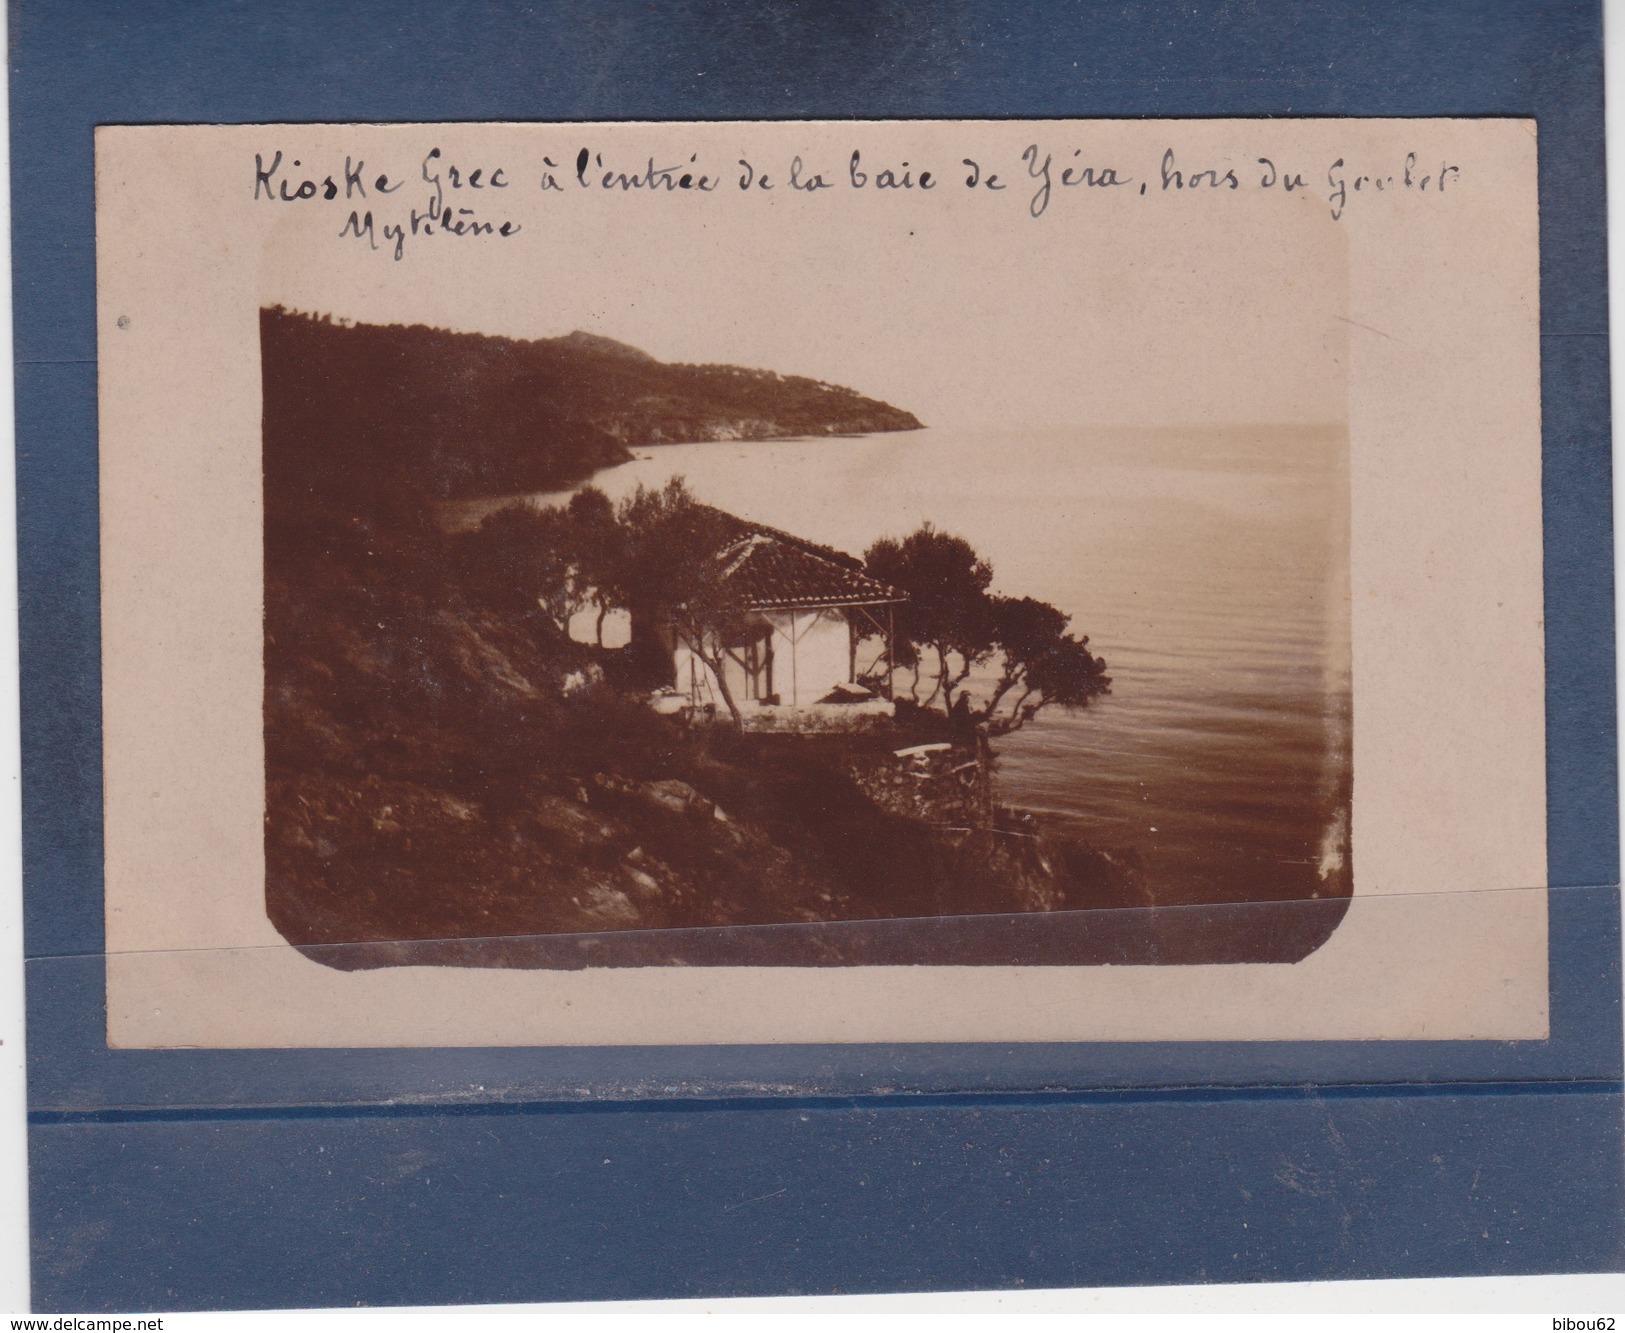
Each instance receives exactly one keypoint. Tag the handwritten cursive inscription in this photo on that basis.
(482, 202)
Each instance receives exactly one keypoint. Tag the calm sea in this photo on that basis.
(1208, 567)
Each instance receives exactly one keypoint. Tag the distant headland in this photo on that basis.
(459, 415)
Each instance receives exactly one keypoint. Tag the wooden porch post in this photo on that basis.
(891, 646)
(795, 653)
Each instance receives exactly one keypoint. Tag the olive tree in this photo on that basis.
(952, 624)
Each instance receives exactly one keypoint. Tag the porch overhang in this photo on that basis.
(826, 605)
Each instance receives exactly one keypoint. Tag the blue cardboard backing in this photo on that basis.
(980, 1165)
(604, 1204)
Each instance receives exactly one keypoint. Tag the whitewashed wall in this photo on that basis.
(821, 660)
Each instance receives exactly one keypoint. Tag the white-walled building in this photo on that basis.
(813, 624)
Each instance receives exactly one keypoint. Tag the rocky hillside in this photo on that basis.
(445, 783)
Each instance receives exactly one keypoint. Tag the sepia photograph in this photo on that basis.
(855, 581)
(564, 640)
(926, 657)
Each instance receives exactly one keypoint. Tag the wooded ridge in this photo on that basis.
(456, 415)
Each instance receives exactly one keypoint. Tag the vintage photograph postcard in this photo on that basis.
(807, 582)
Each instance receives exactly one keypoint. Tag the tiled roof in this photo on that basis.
(766, 569)
(736, 529)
